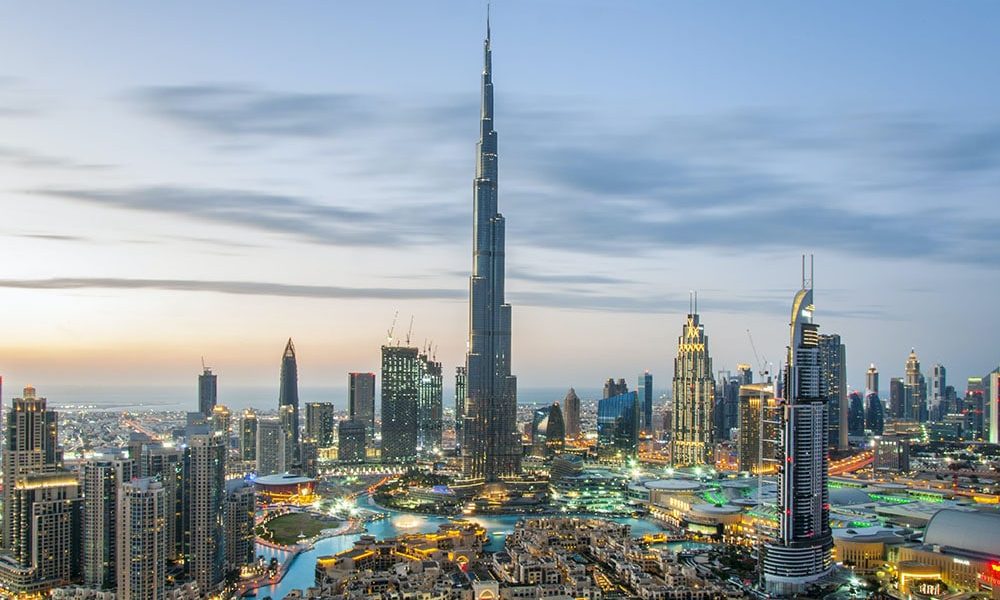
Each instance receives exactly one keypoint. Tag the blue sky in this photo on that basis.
(190, 179)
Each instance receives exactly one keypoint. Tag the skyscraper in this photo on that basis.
(239, 524)
(288, 395)
(856, 414)
(166, 466)
(897, 398)
(222, 421)
(204, 494)
(361, 400)
(400, 393)
(270, 451)
(645, 389)
(143, 511)
(492, 444)
(915, 389)
(938, 396)
(248, 436)
(802, 553)
(760, 424)
(991, 406)
(351, 439)
(320, 423)
(871, 380)
(615, 388)
(694, 393)
(571, 413)
(430, 420)
(618, 428)
(833, 373)
(208, 392)
(874, 414)
(461, 385)
(548, 431)
(101, 480)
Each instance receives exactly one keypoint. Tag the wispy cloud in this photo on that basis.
(23, 157)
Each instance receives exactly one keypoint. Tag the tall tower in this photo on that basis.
(802, 553)
(571, 413)
(645, 389)
(400, 394)
(204, 493)
(248, 436)
(694, 395)
(429, 403)
(871, 380)
(101, 480)
(361, 400)
(492, 447)
(320, 423)
(938, 401)
(461, 383)
(208, 391)
(143, 511)
(288, 395)
(833, 373)
(915, 388)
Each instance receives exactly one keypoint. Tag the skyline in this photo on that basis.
(114, 237)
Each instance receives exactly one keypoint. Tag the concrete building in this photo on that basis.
(400, 395)
(271, 455)
(693, 394)
(320, 423)
(141, 557)
(361, 400)
(351, 441)
(204, 494)
(101, 480)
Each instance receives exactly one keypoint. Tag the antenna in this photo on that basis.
(410, 331)
(807, 282)
(691, 302)
(696, 301)
(392, 327)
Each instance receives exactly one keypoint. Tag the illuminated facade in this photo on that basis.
(286, 489)
(239, 524)
(802, 553)
(248, 436)
(361, 400)
(351, 438)
(915, 390)
(461, 383)
(270, 447)
(430, 421)
(760, 429)
(101, 480)
(142, 540)
(400, 395)
(618, 428)
(833, 382)
(491, 449)
(288, 396)
(320, 423)
(204, 494)
(571, 413)
(694, 395)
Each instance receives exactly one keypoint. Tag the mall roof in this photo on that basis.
(283, 479)
(971, 531)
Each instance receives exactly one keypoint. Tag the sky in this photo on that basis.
(193, 180)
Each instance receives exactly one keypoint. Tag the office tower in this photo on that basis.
(310, 458)
(802, 553)
(288, 396)
(871, 380)
(693, 391)
(833, 370)
(141, 540)
(891, 453)
(204, 493)
(856, 415)
(614, 388)
(760, 429)
(897, 398)
(166, 466)
(351, 441)
(208, 392)
(271, 456)
(726, 407)
(915, 390)
(744, 374)
(618, 428)
(938, 398)
(571, 413)
(548, 431)
(320, 423)
(461, 384)
(400, 394)
(874, 414)
(430, 420)
(248, 436)
(974, 409)
(361, 400)
(239, 524)
(222, 421)
(645, 389)
(991, 406)
(101, 479)
(491, 448)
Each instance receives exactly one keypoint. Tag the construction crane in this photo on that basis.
(392, 328)
(410, 331)
(761, 362)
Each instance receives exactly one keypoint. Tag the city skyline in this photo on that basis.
(115, 235)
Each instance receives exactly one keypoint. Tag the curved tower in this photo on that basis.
(802, 553)
(492, 446)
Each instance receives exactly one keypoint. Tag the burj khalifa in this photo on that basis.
(491, 449)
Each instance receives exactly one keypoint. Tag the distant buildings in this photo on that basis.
(430, 419)
(833, 370)
(618, 428)
(248, 436)
(571, 413)
(288, 396)
(915, 391)
(760, 429)
(897, 398)
(693, 393)
(874, 414)
(361, 400)
(871, 380)
(991, 406)
(938, 404)
(352, 436)
(548, 431)
(645, 389)
(238, 514)
(320, 423)
(614, 388)
(400, 394)
(208, 392)
(856, 415)
(271, 456)
(891, 454)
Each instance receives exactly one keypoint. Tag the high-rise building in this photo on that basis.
(204, 494)
(271, 456)
(991, 406)
(400, 394)
(915, 390)
(361, 400)
(897, 398)
(239, 524)
(760, 429)
(726, 407)
(871, 380)
(208, 392)
(351, 441)
(430, 420)
(101, 479)
(571, 413)
(288, 396)
(891, 453)
(938, 406)
(320, 423)
(141, 540)
(693, 392)
(614, 388)
(645, 389)
(975, 409)
(222, 421)
(548, 431)
(802, 552)
(744, 374)
(461, 386)
(491, 448)
(618, 428)
(248, 436)
(874, 414)
(833, 369)
(166, 466)
(856, 415)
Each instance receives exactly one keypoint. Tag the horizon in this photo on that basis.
(171, 199)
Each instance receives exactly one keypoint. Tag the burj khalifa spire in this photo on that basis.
(491, 449)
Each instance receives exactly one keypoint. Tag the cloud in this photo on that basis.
(251, 288)
(283, 214)
(53, 237)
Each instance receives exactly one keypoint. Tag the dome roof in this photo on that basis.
(848, 496)
(972, 531)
